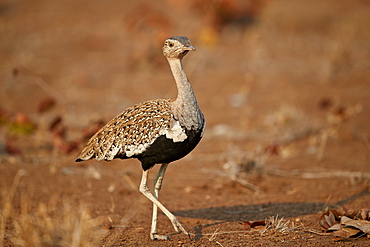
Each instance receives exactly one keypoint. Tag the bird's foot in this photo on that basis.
(155, 236)
(178, 227)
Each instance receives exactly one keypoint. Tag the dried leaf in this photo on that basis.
(335, 227)
(323, 223)
(363, 225)
(330, 218)
(347, 232)
(351, 231)
(45, 105)
(252, 224)
(364, 214)
(56, 122)
(342, 234)
(327, 220)
(352, 222)
(339, 212)
(349, 211)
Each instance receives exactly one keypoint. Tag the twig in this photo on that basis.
(218, 243)
(313, 175)
(213, 235)
(318, 233)
(218, 233)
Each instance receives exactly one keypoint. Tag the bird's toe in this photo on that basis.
(178, 227)
(155, 236)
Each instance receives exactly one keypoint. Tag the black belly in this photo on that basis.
(164, 150)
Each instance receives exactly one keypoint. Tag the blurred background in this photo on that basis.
(284, 85)
(92, 59)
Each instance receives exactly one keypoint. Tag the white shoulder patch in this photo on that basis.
(112, 153)
(176, 132)
(135, 149)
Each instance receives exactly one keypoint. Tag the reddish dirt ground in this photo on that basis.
(284, 86)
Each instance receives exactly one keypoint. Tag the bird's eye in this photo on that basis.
(170, 44)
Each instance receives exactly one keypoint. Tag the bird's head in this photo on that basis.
(177, 47)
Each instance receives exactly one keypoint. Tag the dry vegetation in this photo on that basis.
(284, 86)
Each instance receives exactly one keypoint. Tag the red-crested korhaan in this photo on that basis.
(154, 132)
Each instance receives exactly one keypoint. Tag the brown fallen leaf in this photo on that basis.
(252, 224)
(328, 219)
(349, 211)
(342, 234)
(347, 232)
(57, 121)
(335, 227)
(364, 214)
(363, 225)
(345, 222)
(46, 104)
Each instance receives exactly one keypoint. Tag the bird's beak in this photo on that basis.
(191, 48)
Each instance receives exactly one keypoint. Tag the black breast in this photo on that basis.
(164, 150)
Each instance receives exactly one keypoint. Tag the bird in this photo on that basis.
(154, 132)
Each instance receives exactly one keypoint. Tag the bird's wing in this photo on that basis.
(131, 132)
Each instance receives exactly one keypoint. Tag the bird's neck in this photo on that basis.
(185, 92)
(185, 107)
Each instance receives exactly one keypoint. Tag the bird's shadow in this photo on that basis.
(259, 211)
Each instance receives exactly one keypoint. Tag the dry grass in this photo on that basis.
(56, 223)
(274, 224)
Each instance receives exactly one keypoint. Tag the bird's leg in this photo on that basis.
(157, 187)
(146, 192)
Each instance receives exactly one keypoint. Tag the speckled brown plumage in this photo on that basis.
(139, 125)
